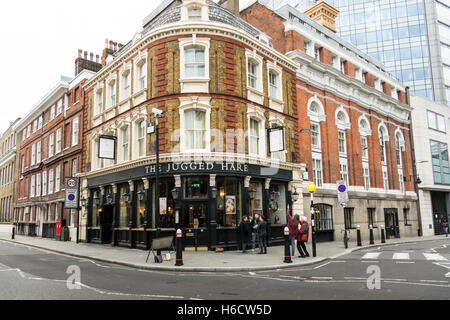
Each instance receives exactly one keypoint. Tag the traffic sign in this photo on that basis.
(342, 191)
(72, 193)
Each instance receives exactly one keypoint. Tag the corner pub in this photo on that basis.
(216, 164)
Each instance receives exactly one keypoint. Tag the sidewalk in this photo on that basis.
(232, 261)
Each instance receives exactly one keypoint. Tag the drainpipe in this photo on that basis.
(413, 156)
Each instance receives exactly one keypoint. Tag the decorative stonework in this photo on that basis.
(323, 13)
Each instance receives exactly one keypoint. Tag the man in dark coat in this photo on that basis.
(245, 233)
(262, 235)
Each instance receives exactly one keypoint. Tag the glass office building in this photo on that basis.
(410, 37)
(392, 31)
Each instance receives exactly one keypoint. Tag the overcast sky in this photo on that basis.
(40, 42)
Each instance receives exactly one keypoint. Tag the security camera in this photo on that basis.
(158, 113)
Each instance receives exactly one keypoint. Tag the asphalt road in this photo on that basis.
(408, 271)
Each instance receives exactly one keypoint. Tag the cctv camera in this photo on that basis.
(157, 112)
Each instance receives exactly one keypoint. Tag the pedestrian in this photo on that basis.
(445, 225)
(245, 233)
(303, 237)
(254, 225)
(262, 235)
(293, 223)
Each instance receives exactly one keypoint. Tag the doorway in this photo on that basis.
(438, 200)
(195, 224)
(391, 222)
(106, 224)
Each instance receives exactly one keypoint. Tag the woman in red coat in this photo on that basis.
(303, 237)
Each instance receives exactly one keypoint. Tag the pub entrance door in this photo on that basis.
(106, 224)
(195, 223)
(391, 221)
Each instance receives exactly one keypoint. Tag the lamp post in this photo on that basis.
(311, 189)
(158, 114)
(175, 195)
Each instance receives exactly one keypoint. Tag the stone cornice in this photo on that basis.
(183, 29)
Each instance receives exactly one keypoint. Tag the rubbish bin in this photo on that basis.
(65, 234)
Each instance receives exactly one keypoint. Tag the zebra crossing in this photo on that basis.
(403, 256)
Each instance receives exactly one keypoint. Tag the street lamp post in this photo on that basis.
(311, 189)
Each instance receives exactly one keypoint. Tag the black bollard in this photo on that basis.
(346, 239)
(383, 236)
(358, 236)
(179, 244)
(371, 235)
(13, 233)
(287, 247)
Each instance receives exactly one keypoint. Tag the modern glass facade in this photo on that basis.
(392, 31)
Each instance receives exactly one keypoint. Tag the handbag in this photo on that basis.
(304, 237)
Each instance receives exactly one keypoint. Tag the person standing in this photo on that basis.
(245, 233)
(254, 226)
(303, 237)
(293, 223)
(445, 225)
(262, 235)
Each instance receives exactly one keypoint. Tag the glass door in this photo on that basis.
(195, 222)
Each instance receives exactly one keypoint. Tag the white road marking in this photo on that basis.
(432, 281)
(371, 261)
(405, 262)
(322, 278)
(371, 255)
(401, 256)
(323, 265)
(434, 256)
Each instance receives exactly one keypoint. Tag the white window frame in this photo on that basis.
(190, 4)
(33, 154)
(141, 140)
(74, 167)
(126, 84)
(401, 181)
(44, 183)
(141, 75)
(75, 131)
(317, 172)
(257, 114)
(32, 186)
(52, 113)
(40, 121)
(58, 178)
(51, 181)
(38, 152)
(366, 176)
(112, 93)
(385, 178)
(316, 147)
(202, 104)
(38, 185)
(194, 84)
(343, 169)
(35, 122)
(383, 128)
(51, 145)
(344, 134)
(59, 107)
(58, 141)
(99, 101)
(125, 156)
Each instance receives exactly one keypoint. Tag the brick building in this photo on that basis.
(7, 172)
(50, 149)
(222, 88)
(354, 122)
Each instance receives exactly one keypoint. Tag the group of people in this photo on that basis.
(256, 228)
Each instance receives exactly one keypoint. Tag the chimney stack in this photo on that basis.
(324, 14)
(231, 5)
(84, 63)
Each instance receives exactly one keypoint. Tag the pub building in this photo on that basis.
(227, 138)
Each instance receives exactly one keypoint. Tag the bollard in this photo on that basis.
(371, 235)
(287, 247)
(358, 235)
(179, 240)
(383, 236)
(13, 233)
(346, 238)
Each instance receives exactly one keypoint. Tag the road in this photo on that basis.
(406, 271)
